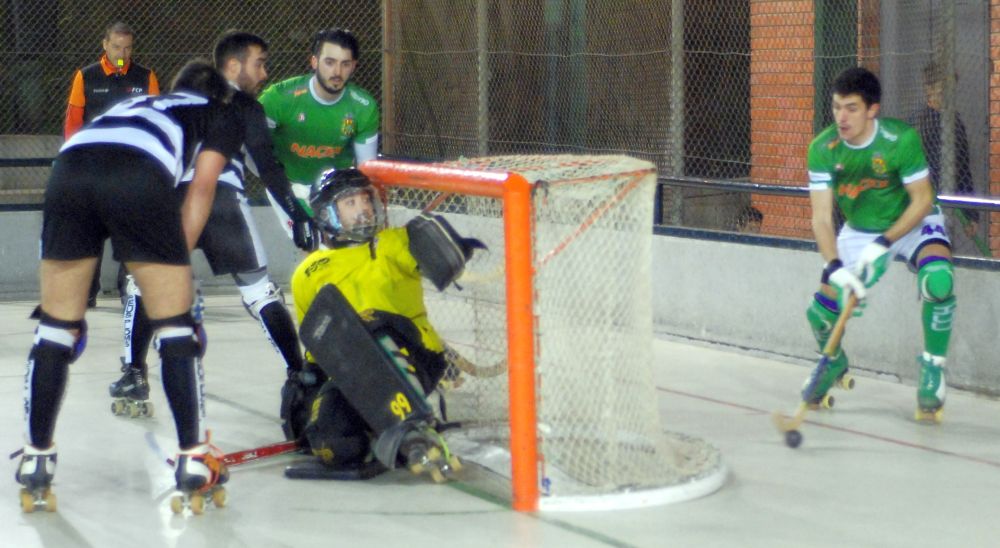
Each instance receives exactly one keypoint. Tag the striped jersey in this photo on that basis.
(169, 128)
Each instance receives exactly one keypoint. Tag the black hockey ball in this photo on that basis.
(793, 438)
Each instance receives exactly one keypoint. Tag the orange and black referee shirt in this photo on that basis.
(98, 86)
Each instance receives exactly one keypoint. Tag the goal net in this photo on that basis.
(549, 332)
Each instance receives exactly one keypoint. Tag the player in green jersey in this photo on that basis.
(322, 120)
(875, 170)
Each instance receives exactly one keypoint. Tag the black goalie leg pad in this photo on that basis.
(364, 371)
(336, 433)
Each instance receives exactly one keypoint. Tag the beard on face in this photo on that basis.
(326, 87)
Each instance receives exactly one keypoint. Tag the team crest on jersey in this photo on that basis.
(347, 128)
(878, 164)
(301, 117)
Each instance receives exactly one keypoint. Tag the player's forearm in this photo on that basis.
(194, 212)
(201, 193)
(826, 238)
(921, 201)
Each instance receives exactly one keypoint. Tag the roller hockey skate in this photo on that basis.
(35, 473)
(200, 473)
(931, 390)
(131, 393)
(828, 373)
(424, 450)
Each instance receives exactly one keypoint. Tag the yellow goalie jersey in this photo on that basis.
(382, 276)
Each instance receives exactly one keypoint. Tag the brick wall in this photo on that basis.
(781, 109)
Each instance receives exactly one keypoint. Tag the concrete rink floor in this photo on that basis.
(866, 474)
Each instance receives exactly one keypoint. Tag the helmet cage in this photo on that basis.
(335, 186)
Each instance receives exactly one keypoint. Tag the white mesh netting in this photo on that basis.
(598, 426)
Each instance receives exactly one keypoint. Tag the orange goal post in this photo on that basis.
(549, 333)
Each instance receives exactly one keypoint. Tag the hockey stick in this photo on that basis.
(462, 364)
(231, 459)
(247, 455)
(789, 425)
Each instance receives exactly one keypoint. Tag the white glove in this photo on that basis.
(846, 282)
(874, 261)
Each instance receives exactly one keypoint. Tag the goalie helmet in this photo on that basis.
(335, 185)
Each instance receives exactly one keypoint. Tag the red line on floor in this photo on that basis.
(894, 441)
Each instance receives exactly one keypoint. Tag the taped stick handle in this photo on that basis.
(838, 328)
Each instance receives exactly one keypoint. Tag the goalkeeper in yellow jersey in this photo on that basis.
(361, 405)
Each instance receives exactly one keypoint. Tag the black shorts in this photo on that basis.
(97, 192)
(230, 239)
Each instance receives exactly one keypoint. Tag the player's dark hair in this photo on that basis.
(118, 27)
(235, 43)
(199, 76)
(341, 37)
(861, 81)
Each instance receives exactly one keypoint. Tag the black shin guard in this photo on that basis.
(48, 370)
(280, 329)
(182, 376)
(46, 375)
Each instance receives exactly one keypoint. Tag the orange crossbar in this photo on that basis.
(515, 191)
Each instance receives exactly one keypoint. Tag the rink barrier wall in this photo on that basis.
(745, 293)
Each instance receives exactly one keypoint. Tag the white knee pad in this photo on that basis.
(258, 295)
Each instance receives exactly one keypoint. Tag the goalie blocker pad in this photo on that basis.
(363, 370)
(440, 252)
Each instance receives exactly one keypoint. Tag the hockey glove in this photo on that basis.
(845, 282)
(873, 262)
(301, 219)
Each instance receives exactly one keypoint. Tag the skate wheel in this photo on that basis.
(177, 504)
(846, 382)
(50, 501)
(197, 504)
(117, 407)
(133, 410)
(827, 402)
(437, 476)
(417, 468)
(929, 415)
(147, 409)
(219, 497)
(27, 501)
(454, 463)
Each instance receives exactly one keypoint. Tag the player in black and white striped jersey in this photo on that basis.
(116, 179)
(230, 240)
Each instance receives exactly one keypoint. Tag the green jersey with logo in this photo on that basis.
(311, 135)
(867, 180)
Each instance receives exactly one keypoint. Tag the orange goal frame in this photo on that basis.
(515, 193)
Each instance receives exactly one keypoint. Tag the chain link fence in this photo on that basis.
(46, 41)
(728, 90)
